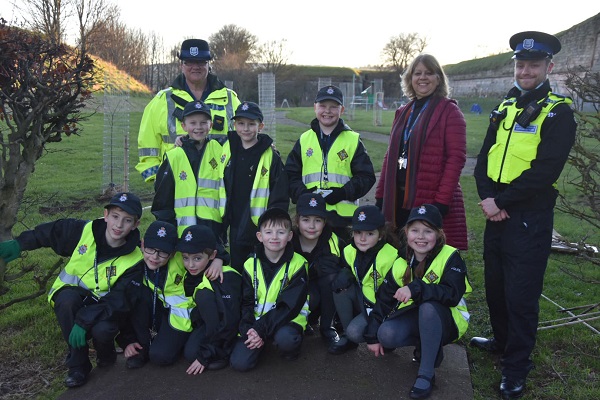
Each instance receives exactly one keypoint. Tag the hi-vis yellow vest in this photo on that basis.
(83, 269)
(432, 276)
(204, 198)
(377, 271)
(159, 127)
(265, 298)
(338, 162)
(173, 295)
(205, 282)
(259, 196)
(515, 145)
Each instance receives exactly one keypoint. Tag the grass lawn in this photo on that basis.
(68, 183)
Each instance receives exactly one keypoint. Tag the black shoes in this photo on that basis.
(75, 379)
(511, 388)
(490, 345)
(330, 337)
(217, 365)
(416, 393)
(341, 346)
(135, 362)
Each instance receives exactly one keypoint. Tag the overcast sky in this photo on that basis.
(353, 33)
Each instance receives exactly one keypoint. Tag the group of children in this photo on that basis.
(336, 265)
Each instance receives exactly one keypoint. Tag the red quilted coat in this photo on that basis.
(437, 155)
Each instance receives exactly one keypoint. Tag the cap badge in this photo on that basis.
(193, 51)
(245, 107)
(188, 237)
(198, 106)
(312, 202)
(422, 210)
(162, 232)
(362, 216)
(528, 44)
(123, 197)
(330, 90)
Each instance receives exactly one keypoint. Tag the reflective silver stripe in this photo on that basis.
(266, 307)
(311, 178)
(186, 221)
(229, 110)
(463, 311)
(222, 202)
(185, 202)
(208, 183)
(149, 152)
(207, 202)
(171, 120)
(181, 312)
(259, 192)
(335, 178)
(175, 299)
(257, 211)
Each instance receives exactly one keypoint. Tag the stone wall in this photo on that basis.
(580, 47)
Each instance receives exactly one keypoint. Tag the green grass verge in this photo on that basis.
(68, 180)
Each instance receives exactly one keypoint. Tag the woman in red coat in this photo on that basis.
(427, 152)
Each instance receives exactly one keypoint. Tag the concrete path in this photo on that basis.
(315, 375)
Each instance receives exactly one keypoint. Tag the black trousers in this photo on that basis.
(515, 255)
(67, 302)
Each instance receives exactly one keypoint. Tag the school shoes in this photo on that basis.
(511, 388)
(418, 393)
(490, 345)
(77, 376)
(135, 362)
(341, 346)
(330, 336)
(217, 365)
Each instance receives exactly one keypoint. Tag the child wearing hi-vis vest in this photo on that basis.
(189, 185)
(274, 298)
(88, 297)
(254, 180)
(421, 302)
(365, 262)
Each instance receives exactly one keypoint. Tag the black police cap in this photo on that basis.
(195, 49)
(533, 45)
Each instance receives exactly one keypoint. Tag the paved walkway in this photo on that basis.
(315, 375)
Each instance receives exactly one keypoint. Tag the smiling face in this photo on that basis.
(421, 238)
(364, 240)
(328, 113)
(310, 226)
(274, 237)
(118, 225)
(195, 71)
(530, 73)
(247, 129)
(424, 81)
(197, 126)
(154, 258)
(196, 263)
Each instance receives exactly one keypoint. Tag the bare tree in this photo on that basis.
(91, 14)
(233, 40)
(401, 49)
(273, 57)
(584, 160)
(46, 16)
(43, 89)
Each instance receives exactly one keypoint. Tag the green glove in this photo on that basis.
(9, 250)
(77, 337)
